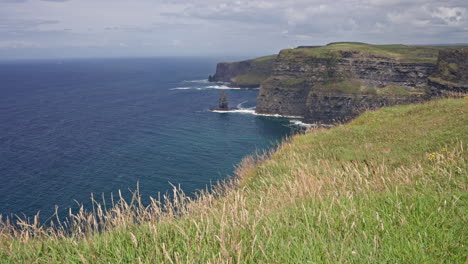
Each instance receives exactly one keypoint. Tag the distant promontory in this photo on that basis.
(337, 82)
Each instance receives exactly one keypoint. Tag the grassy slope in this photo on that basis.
(260, 70)
(401, 52)
(389, 187)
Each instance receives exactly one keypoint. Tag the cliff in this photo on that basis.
(337, 82)
(244, 74)
(451, 74)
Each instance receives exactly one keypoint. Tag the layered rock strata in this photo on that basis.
(331, 108)
(294, 87)
(451, 73)
(328, 85)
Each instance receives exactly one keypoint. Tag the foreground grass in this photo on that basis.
(391, 186)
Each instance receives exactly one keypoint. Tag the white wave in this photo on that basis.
(302, 124)
(278, 115)
(251, 111)
(222, 87)
(308, 125)
(239, 106)
(182, 88)
(238, 111)
(196, 81)
(218, 87)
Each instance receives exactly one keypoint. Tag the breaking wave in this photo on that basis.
(238, 111)
(222, 87)
(196, 81)
(302, 124)
(218, 87)
(251, 111)
(239, 106)
(307, 125)
(182, 88)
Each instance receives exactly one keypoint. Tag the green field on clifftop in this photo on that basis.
(259, 71)
(397, 51)
(389, 187)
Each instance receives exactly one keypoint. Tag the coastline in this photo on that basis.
(336, 183)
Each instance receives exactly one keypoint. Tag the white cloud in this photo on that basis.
(18, 44)
(218, 26)
(301, 14)
(452, 16)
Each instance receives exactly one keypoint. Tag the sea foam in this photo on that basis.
(182, 88)
(251, 111)
(196, 81)
(217, 87)
(222, 87)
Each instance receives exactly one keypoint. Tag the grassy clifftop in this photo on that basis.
(389, 187)
(260, 69)
(397, 51)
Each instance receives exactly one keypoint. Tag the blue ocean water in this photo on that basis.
(75, 127)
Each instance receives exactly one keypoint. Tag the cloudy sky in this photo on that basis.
(89, 28)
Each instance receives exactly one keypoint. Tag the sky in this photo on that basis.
(140, 28)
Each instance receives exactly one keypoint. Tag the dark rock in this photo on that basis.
(293, 83)
(248, 74)
(227, 71)
(223, 102)
(451, 73)
(328, 108)
(279, 94)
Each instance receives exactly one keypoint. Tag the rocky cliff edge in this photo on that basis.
(337, 82)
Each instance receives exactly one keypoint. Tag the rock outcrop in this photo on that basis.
(451, 73)
(223, 102)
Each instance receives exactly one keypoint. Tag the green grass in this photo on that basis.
(292, 82)
(260, 69)
(453, 66)
(350, 86)
(250, 79)
(345, 86)
(396, 90)
(268, 59)
(448, 73)
(404, 53)
(444, 82)
(388, 187)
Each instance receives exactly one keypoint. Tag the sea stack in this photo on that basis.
(223, 102)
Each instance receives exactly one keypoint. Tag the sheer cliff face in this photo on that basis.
(227, 71)
(296, 86)
(327, 108)
(451, 73)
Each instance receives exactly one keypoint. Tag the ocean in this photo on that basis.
(69, 128)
